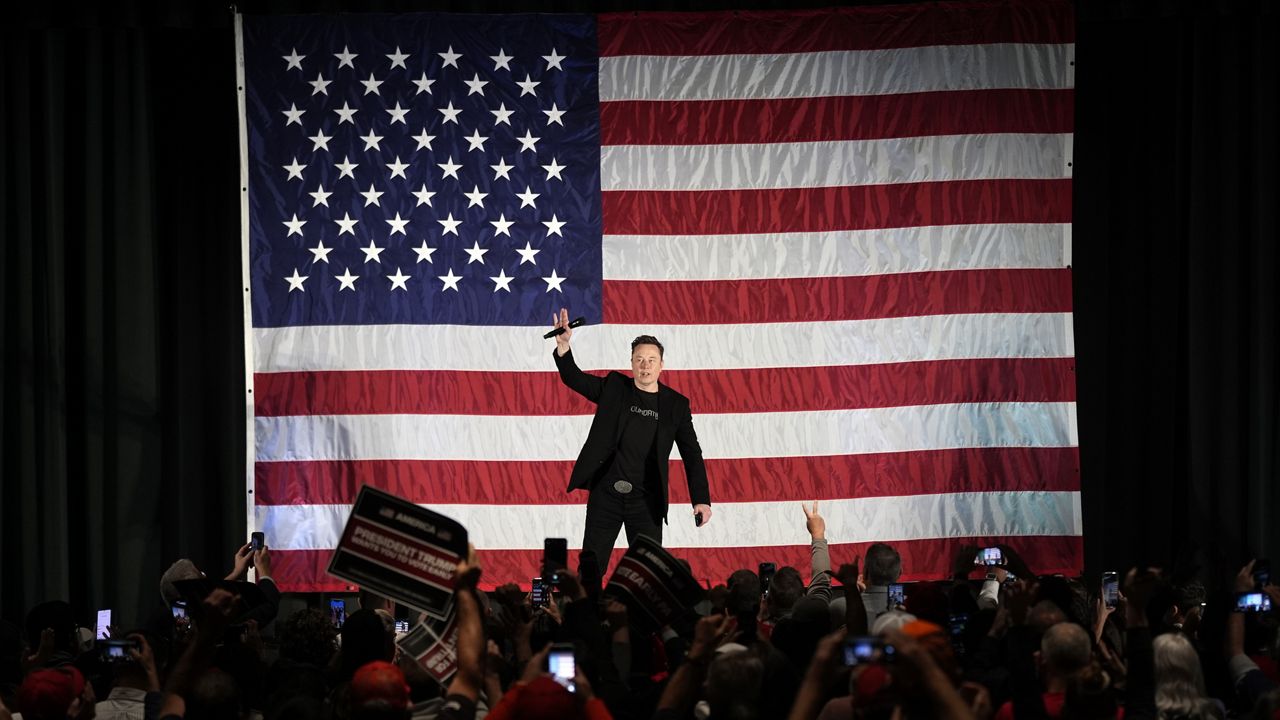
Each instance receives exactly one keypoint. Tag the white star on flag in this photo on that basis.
(450, 281)
(526, 87)
(294, 115)
(371, 196)
(526, 254)
(450, 168)
(553, 226)
(321, 253)
(346, 113)
(450, 114)
(450, 225)
(501, 115)
(501, 169)
(476, 252)
(372, 253)
(528, 142)
(347, 279)
(294, 225)
(398, 280)
(295, 170)
(424, 84)
(295, 60)
(295, 282)
(553, 60)
(553, 115)
(424, 252)
(501, 60)
(424, 140)
(371, 85)
(398, 225)
(553, 282)
(371, 141)
(346, 225)
(320, 85)
(320, 197)
(346, 58)
(398, 168)
(347, 168)
(553, 170)
(424, 195)
(475, 197)
(502, 225)
(397, 114)
(476, 141)
(527, 198)
(320, 140)
(475, 85)
(397, 58)
(502, 282)
(450, 57)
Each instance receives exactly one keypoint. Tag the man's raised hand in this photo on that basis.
(562, 340)
(814, 523)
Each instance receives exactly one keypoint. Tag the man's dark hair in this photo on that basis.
(308, 636)
(785, 589)
(647, 340)
(883, 565)
(734, 683)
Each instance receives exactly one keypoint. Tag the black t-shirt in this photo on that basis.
(636, 444)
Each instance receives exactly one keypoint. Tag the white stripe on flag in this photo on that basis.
(930, 158)
(913, 517)
(722, 435)
(688, 347)
(834, 73)
(847, 253)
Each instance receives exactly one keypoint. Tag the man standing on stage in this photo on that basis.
(623, 464)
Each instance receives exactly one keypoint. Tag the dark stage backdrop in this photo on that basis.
(120, 311)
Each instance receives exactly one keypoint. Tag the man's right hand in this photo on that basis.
(562, 340)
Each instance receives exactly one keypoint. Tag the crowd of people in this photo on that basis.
(991, 641)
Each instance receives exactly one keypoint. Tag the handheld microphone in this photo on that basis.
(576, 322)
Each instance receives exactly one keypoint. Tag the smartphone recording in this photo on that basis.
(1253, 602)
(562, 666)
(1110, 589)
(866, 650)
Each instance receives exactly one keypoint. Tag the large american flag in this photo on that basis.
(849, 227)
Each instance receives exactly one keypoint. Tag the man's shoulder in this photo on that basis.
(672, 393)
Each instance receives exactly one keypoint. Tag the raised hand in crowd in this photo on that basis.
(240, 562)
(814, 522)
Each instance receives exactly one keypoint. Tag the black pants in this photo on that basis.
(608, 511)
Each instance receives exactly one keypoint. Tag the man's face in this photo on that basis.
(646, 365)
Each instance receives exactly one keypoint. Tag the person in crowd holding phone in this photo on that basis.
(135, 685)
(882, 567)
(623, 464)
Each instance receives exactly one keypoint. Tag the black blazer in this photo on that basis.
(612, 394)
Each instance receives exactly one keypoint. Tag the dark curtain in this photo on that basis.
(124, 443)
(1177, 310)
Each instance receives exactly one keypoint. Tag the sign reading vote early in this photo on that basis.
(653, 584)
(400, 550)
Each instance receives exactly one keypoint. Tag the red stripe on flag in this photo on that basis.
(305, 570)
(432, 482)
(864, 28)
(861, 207)
(836, 118)
(840, 298)
(715, 391)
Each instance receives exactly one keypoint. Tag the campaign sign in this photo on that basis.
(434, 644)
(400, 550)
(653, 584)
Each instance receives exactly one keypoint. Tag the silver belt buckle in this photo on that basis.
(622, 487)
